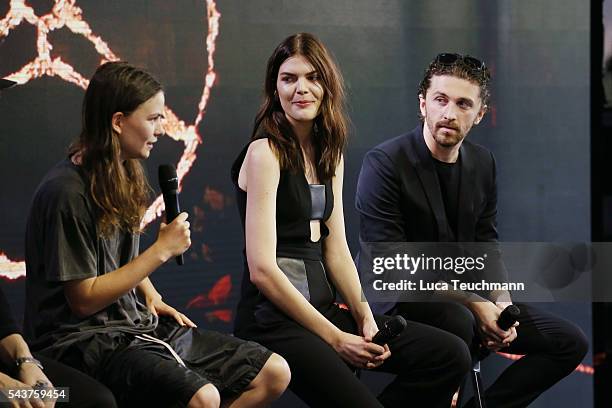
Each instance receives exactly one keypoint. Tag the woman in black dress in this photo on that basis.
(289, 190)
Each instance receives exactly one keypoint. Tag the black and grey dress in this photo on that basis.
(319, 376)
(297, 202)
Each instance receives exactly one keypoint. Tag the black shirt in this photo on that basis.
(449, 176)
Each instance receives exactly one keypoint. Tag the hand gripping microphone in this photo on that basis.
(168, 182)
(391, 329)
(508, 317)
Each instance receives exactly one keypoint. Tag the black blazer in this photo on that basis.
(399, 197)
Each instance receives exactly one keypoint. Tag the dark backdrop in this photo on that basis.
(538, 126)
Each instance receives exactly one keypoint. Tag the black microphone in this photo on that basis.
(168, 182)
(508, 317)
(391, 329)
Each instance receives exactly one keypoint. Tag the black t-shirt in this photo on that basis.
(63, 244)
(7, 324)
(449, 175)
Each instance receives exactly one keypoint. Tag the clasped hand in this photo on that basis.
(493, 337)
(359, 351)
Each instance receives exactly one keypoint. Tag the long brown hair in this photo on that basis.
(119, 188)
(331, 125)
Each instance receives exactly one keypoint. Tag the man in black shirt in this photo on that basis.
(432, 185)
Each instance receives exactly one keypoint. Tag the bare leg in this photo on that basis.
(269, 384)
(206, 397)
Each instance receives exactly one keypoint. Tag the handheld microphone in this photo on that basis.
(390, 330)
(168, 182)
(508, 317)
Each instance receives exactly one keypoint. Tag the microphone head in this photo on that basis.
(392, 328)
(397, 324)
(168, 180)
(513, 311)
(508, 317)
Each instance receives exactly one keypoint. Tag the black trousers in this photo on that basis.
(430, 364)
(552, 346)
(84, 391)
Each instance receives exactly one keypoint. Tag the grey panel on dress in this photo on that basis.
(295, 270)
(266, 313)
(317, 200)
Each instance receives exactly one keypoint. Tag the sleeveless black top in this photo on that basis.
(297, 203)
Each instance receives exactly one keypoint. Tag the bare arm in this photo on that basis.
(263, 174)
(337, 256)
(12, 347)
(157, 306)
(148, 291)
(343, 273)
(90, 295)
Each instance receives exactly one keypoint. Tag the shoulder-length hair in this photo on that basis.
(118, 187)
(331, 124)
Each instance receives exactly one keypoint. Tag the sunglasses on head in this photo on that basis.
(451, 59)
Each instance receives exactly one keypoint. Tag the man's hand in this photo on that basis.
(487, 314)
(502, 305)
(159, 308)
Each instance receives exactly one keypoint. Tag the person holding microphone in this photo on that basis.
(288, 182)
(84, 270)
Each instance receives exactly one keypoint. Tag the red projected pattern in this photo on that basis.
(66, 13)
(216, 296)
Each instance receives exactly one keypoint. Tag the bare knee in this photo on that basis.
(274, 376)
(206, 397)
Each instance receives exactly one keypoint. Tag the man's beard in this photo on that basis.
(443, 139)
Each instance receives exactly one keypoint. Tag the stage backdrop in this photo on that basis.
(211, 58)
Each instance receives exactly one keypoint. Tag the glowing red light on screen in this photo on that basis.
(65, 13)
(225, 315)
(217, 295)
(221, 290)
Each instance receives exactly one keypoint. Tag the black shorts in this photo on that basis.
(143, 373)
